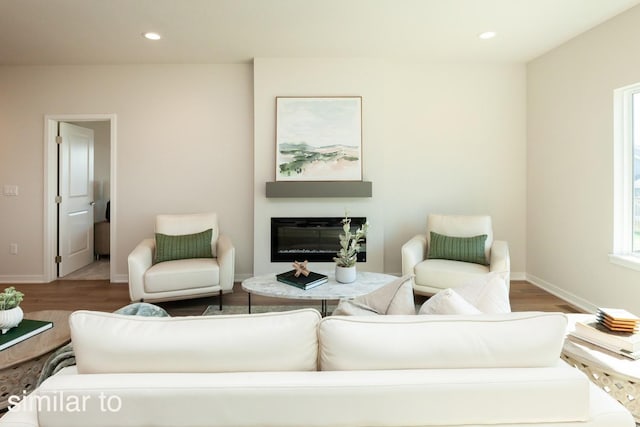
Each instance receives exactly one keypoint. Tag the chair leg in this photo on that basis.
(220, 299)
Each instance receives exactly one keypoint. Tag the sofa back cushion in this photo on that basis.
(512, 340)
(113, 343)
(183, 224)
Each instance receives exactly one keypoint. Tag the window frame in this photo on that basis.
(623, 185)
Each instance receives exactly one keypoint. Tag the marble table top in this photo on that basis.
(366, 282)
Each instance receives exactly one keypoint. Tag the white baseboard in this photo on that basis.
(120, 278)
(23, 279)
(571, 298)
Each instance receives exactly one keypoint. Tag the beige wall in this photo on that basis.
(454, 141)
(446, 138)
(184, 144)
(437, 138)
(570, 165)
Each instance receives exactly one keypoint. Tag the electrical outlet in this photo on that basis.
(13, 248)
(10, 190)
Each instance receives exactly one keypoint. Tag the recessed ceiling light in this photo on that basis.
(151, 36)
(487, 35)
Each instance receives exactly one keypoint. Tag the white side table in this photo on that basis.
(615, 374)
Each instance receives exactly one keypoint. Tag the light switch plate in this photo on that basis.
(10, 190)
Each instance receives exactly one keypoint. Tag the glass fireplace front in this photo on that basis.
(310, 238)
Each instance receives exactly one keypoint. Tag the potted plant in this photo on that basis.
(348, 254)
(10, 312)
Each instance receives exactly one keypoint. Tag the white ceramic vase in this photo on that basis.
(345, 274)
(10, 318)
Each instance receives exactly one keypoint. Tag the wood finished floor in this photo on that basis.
(104, 296)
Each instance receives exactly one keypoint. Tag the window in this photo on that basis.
(626, 242)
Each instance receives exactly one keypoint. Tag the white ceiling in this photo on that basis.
(223, 31)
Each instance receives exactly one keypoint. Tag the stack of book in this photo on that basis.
(302, 281)
(614, 330)
(618, 320)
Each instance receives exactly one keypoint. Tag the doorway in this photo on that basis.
(101, 230)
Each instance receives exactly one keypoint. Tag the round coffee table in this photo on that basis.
(21, 364)
(267, 285)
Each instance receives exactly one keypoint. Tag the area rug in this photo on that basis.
(242, 309)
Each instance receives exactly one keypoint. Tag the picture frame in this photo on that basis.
(319, 138)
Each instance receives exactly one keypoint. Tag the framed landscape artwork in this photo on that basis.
(319, 138)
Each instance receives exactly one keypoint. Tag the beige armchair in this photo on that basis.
(433, 275)
(187, 277)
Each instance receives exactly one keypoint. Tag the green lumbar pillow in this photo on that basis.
(170, 248)
(466, 249)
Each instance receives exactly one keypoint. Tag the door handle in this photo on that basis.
(92, 203)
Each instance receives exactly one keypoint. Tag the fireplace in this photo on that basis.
(311, 238)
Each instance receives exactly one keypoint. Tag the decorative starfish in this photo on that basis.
(301, 268)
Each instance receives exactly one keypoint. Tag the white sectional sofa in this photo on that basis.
(297, 369)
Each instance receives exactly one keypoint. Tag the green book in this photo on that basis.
(302, 281)
(26, 329)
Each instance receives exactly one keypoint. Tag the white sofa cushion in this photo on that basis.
(291, 399)
(444, 273)
(112, 343)
(182, 274)
(524, 339)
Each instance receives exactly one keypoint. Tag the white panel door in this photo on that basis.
(75, 215)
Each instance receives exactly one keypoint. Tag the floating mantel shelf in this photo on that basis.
(319, 189)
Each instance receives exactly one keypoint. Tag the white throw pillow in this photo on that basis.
(395, 297)
(488, 294)
(447, 301)
(403, 301)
